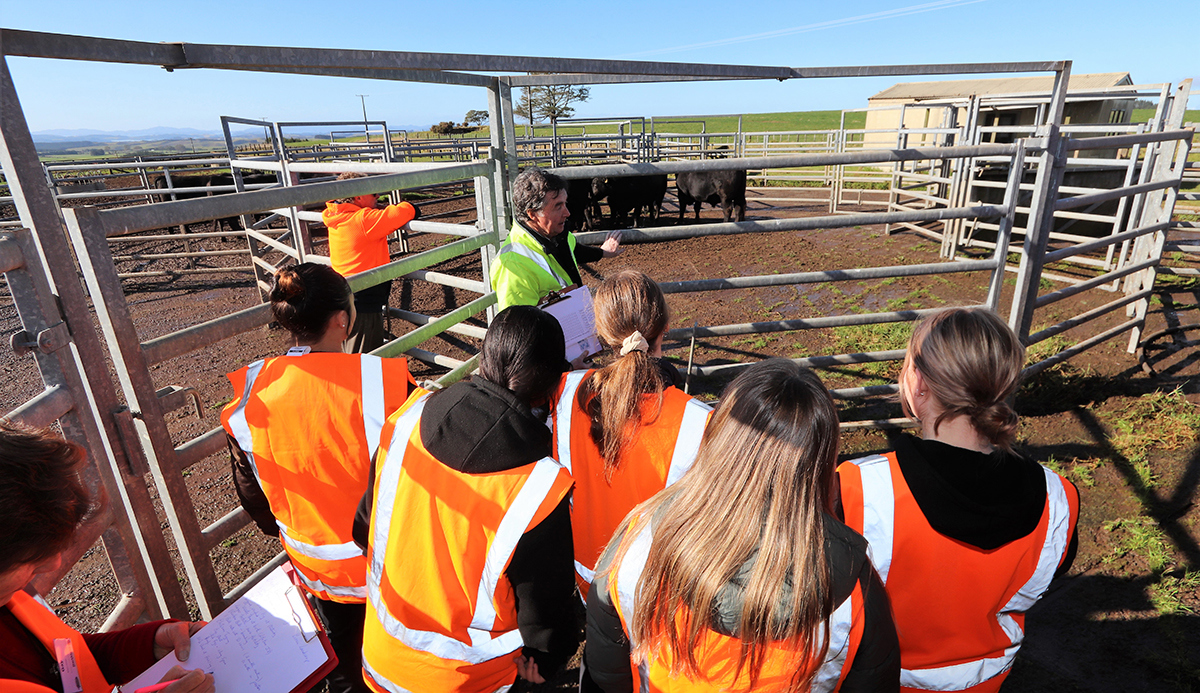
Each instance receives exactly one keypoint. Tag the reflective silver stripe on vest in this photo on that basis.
(483, 646)
(338, 590)
(321, 552)
(373, 409)
(626, 577)
(562, 418)
(879, 511)
(687, 444)
(391, 687)
(237, 420)
(587, 574)
(878, 493)
(536, 257)
(840, 621)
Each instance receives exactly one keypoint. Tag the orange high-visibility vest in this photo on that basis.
(664, 449)
(717, 654)
(441, 614)
(39, 619)
(959, 610)
(309, 425)
(358, 235)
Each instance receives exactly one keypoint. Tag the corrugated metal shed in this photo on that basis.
(960, 88)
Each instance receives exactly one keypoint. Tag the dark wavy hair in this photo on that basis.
(524, 352)
(305, 296)
(530, 190)
(42, 499)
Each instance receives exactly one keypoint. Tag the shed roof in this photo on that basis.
(1005, 85)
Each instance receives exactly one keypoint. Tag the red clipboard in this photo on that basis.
(324, 670)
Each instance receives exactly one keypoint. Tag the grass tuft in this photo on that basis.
(1141, 537)
(1167, 595)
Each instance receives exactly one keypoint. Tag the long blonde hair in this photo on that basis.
(627, 302)
(971, 362)
(759, 488)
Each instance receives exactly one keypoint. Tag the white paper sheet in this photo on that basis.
(266, 642)
(574, 314)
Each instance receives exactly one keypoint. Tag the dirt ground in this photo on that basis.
(1124, 430)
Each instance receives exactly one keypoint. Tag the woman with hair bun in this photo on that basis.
(738, 577)
(468, 526)
(965, 533)
(624, 431)
(303, 429)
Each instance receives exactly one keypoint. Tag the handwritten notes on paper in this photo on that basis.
(265, 642)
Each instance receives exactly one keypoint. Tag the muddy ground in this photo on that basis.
(1124, 430)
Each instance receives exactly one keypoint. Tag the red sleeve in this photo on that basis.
(380, 222)
(124, 654)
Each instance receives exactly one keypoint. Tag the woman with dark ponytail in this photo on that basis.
(625, 431)
(303, 429)
(965, 533)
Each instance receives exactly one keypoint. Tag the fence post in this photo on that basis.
(90, 422)
(1157, 209)
(90, 240)
(1004, 234)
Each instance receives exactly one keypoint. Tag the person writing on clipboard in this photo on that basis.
(539, 257)
(42, 503)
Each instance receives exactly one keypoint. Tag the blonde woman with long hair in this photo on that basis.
(965, 533)
(624, 431)
(737, 577)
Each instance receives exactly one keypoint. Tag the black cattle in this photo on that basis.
(181, 181)
(726, 188)
(630, 195)
(579, 203)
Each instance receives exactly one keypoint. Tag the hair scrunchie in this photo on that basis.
(634, 342)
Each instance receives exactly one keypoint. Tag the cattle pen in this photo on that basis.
(97, 368)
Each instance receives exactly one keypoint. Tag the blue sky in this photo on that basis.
(1099, 36)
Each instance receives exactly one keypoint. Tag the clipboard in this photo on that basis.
(268, 641)
(572, 307)
(327, 668)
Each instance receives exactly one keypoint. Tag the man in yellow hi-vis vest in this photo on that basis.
(538, 256)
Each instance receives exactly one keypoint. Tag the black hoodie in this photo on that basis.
(478, 427)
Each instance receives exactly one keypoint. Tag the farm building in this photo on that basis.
(1007, 102)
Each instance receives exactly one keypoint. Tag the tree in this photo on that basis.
(475, 117)
(443, 128)
(549, 103)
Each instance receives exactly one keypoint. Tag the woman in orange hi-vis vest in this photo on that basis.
(965, 533)
(42, 502)
(303, 429)
(470, 581)
(624, 431)
(737, 577)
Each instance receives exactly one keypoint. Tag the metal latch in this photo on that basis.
(47, 341)
(173, 397)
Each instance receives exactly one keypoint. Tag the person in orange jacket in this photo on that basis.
(42, 502)
(358, 241)
(468, 527)
(624, 431)
(965, 533)
(303, 429)
(738, 577)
